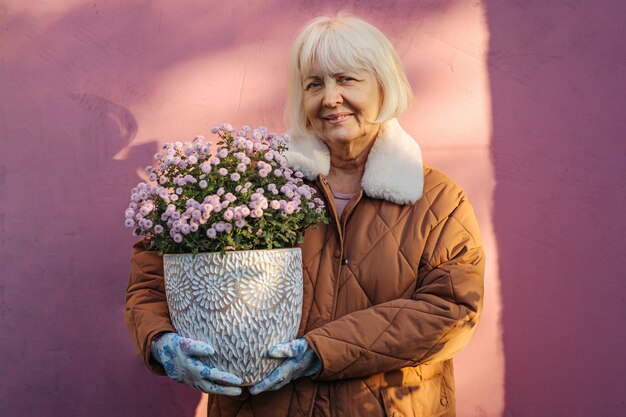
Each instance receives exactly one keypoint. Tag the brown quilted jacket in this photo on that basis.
(391, 293)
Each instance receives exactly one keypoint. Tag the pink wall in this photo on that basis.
(558, 87)
(520, 102)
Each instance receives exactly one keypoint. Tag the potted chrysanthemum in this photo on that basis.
(227, 221)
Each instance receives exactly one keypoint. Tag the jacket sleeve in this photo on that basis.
(433, 325)
(146, 311)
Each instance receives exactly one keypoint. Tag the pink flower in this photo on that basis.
(185, 229)
(222, 171)
(211, 233)
(205, 167)
(129, 223)
(223, 153)
(193, 227)
(158, 229)
(219, 227)
(241, 167)
(178, 238)
(275, 204)
(278, 172)
(263, 173)
(228, 214)
(215, 160)
(235, 176)
(203, 184)
(192, 160)
(240, 223)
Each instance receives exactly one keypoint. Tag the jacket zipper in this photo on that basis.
(341, 225)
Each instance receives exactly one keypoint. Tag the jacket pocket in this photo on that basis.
(426, 399)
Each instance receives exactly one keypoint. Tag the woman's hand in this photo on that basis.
(301, 361)
(183, 360)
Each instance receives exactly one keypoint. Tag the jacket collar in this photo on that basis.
(394, 170)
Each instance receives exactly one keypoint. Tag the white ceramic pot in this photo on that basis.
(242, 303)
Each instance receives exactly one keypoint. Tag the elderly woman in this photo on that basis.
(392, 285)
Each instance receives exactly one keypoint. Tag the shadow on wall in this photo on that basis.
(557, 72)
(65, 251)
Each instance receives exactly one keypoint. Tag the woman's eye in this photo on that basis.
(346, 79)
(313, 84)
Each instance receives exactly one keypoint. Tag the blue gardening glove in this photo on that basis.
(301, 361)
(183, 361)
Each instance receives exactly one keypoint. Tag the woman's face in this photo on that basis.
(340, 107)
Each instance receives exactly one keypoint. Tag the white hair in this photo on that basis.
(338, 44)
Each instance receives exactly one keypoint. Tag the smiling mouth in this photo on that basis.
(335, 118)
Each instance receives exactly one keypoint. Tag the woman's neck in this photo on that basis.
(347, 170)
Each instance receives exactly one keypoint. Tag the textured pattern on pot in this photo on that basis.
(242, 303)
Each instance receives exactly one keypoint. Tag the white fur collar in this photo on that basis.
(394, 170)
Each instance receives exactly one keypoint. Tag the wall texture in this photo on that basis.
(558, 88)
(520, 102)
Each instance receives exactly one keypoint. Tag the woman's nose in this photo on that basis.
(332, 96)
